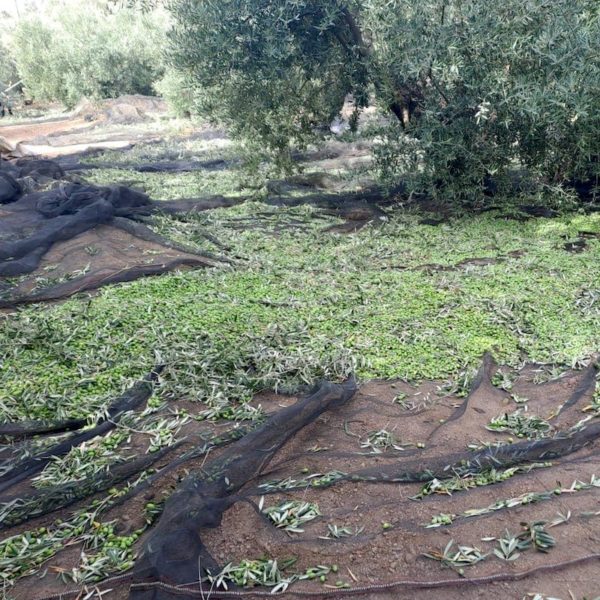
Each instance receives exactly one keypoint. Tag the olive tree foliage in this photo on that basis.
(473, 88)
(178, 93)
(86, 50)
(272, 71)
(8, 68)
(488, 86)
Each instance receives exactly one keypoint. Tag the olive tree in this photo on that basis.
(472, 87)
(271, 71)
(8, 68)
(85, 49)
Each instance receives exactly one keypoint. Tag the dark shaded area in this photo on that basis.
(39, 169)
(341, 201)
(535, 210)
(27, 429)
(5, 108)
(576, 247)
(193, 205)
(580, 243)
(358, 209)
(170, 166)
(587, 189)
(431, 222)
(10, 190)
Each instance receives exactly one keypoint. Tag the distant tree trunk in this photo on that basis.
(406, 102)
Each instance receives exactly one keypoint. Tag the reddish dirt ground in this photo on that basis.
(30, 131)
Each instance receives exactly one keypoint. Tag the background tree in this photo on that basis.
(473, 88)
(89, 49)
(8, 68)
(271, 71)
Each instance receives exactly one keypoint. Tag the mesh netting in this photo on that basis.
(388, 482)
(68, 226)
(176, 552)
(388, 474)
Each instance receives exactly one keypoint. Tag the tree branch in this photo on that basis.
(363, 48)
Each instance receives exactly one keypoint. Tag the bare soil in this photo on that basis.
(30, 131)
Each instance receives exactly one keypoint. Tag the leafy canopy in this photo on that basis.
(471, 87)
(272, 71)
